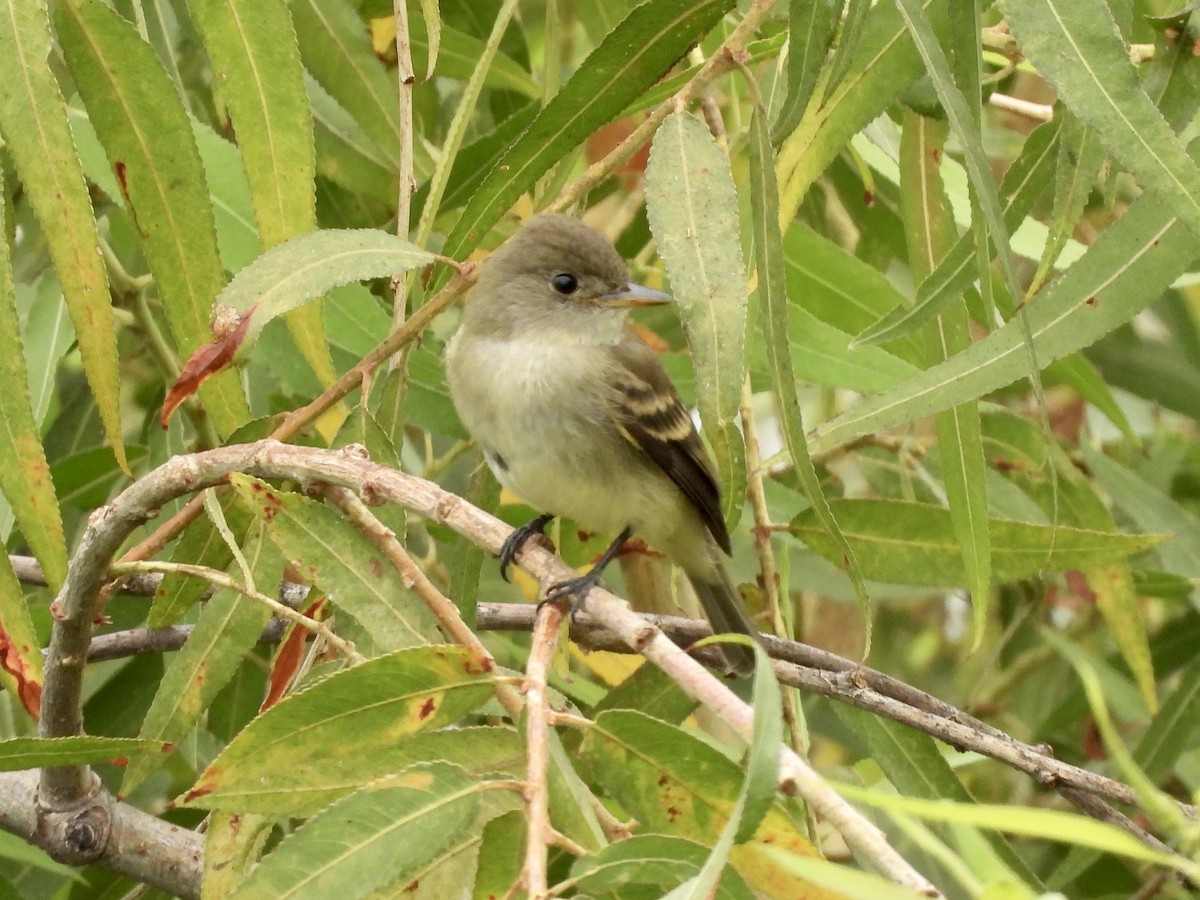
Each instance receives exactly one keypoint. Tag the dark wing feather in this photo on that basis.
(652, 417)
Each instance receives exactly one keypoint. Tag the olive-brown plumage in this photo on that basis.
(577, 416)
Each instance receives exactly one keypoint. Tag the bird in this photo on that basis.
(576, 415)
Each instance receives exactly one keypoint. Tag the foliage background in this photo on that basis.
(986, 335)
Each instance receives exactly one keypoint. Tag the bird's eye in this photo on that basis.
(564, 283)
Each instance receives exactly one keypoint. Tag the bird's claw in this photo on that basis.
(516, 540)
(574, 589)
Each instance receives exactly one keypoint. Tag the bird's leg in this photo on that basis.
(516, 540)
(578, 588)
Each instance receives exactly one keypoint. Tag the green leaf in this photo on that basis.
(879, 64)
(775, 314)
(1047, 824)
(1129, 265)
(356, 712)
(229, 625)
(692, 206)
(676, 784)
(24, 472)
(651, 860)
(1152, 509)
(913, 763)
(346, 154)
(900, 542)
(37, 753)
(1077, 48)
(296, 271)
(148, 138)
(812, 25)
(257, 59)
(929, 229)
(632, 57)
(386, 832)
(334, 555)
(33, 119)
(844, 292)
(1026, 179)
(336, 48)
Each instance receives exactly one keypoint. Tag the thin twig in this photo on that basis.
(537, 756)
(723, 60)
(300, 418)
(407, 181)
(224, 580)
(415, 579)
(812, 669)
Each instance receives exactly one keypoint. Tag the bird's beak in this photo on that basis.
(633, 295)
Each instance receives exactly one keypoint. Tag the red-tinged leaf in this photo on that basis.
(206, 362)
(14, 659)
(288, 659)
(20, 655)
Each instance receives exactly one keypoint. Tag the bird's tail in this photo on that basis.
(723, 606)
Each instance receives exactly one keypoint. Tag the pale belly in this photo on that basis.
(561, 459)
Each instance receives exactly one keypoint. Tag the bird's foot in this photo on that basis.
(516, 540)
(573, 589)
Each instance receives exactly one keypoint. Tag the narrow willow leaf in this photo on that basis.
(1077, 47)
(346, 154)
(274, 128)
(632, 57)
(1152, 509)
(692, 206)
(1080, 155)
(1159, 807)
(431, 18)
(24, 472)
(386, 832)
(984, 194)
(812, 25)
(357, 711)
(228, 626)
(676, 784)
(651, 860)
(854, 21)
(233, 210)
(37, 753)
(929, 229)
(474, 161)
(1131, 264)
(232, 844)
(842, 290)
(1047, 824)
(33, 119)
(148, 138)
(201, 545)
(459, 56)
(901, 542)
(331, 553)
(296, 271)
(879, 66)
(336, 49)
(846, 882)
(482, 62)
(1026, 179)
(775, 313)
(913, 763)
(1173, 731)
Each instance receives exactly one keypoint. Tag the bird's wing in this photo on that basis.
(650, 415)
